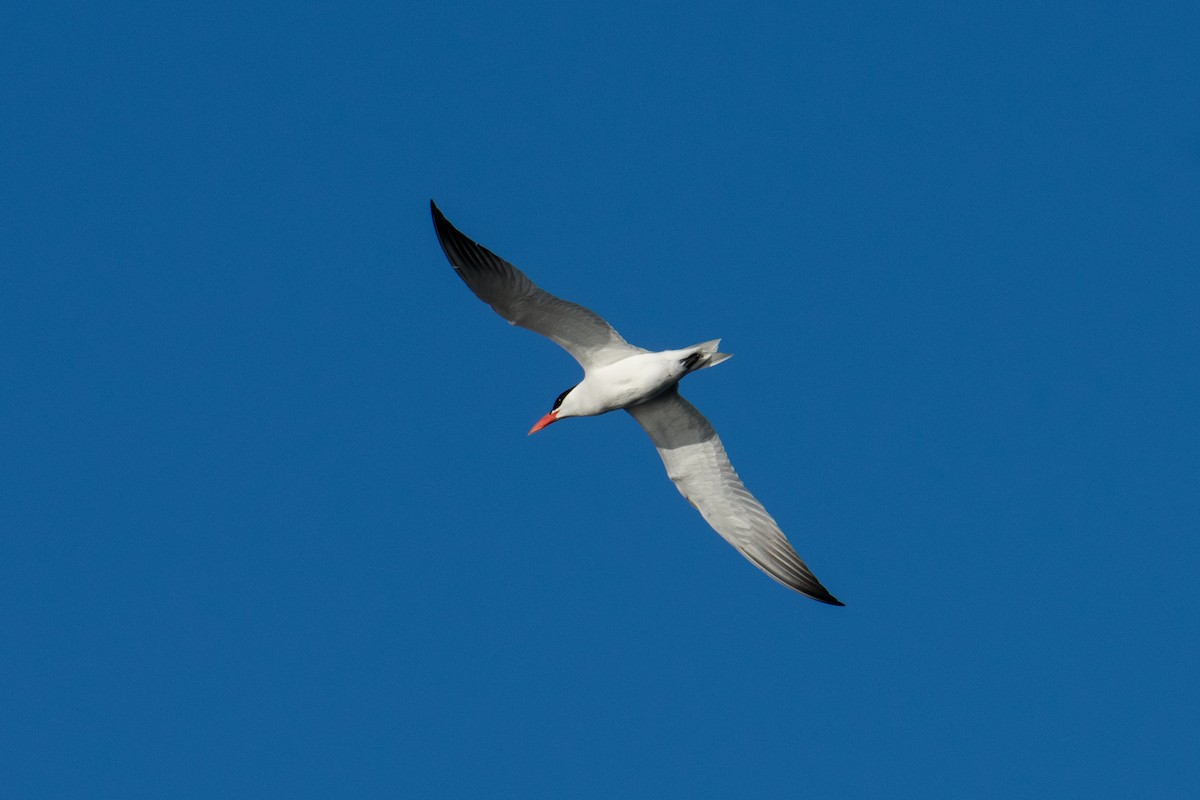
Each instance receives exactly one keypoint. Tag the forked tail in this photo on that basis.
(704, 355)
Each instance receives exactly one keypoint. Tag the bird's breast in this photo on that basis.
(632, 380)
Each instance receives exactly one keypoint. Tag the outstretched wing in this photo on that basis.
(582, 333)
(696, 462)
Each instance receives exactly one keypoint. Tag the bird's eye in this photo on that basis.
(558, 402)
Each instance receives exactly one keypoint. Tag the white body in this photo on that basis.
(634, 379)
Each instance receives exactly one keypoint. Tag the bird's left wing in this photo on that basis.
(581, 332)
(696, 462)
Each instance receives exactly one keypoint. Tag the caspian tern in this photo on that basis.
(618, 375)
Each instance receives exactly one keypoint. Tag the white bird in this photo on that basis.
(618, 375)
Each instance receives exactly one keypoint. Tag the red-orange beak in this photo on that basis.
(543, 422)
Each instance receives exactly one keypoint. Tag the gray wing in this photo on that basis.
(696, 462)
(582, 333)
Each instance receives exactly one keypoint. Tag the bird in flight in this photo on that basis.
(617, 375)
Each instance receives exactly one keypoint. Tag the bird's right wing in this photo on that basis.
(696, 462)
(582, 333)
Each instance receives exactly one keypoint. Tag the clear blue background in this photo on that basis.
(271, 526)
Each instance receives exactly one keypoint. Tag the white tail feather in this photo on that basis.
(709, 357)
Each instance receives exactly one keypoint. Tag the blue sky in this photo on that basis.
(271, 523)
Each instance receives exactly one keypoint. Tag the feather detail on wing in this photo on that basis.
(579, 331)
(695, 460)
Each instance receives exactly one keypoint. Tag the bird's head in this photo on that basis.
(562, 408)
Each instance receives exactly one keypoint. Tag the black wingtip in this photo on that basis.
(821, 595)
(445, 231)
(827, 599)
